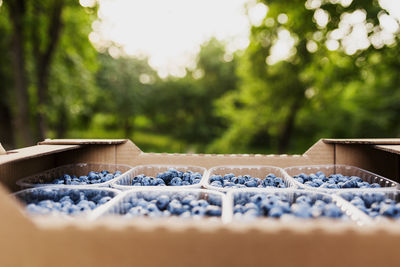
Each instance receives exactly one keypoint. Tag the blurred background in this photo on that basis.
(225, 76)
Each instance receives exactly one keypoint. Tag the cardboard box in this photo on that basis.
(111, 242)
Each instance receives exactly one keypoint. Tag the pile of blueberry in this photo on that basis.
(242, 181)
(374, 204)
(251, 205)
(91, 178)
(172, 177)
(167, 204)
(333, 181)
(65, 201)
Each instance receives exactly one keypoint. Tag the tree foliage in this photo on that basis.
(54, 83)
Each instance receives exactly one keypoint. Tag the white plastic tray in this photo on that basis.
(36, 194)
(350, 212)
(125, 182)
(253, 171)
(388, 193)
(339, 169)
(115, 207)
(45, 178)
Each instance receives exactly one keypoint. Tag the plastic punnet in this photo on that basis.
(78, 169)
(125, 182)
(254, 171)
(369, 196)
(350, 213)
(346, 170)
(118, 206)
(35, 195)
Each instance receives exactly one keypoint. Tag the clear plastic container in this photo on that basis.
(79, 169)
(349, 212)
(119, 207)
(125, 182)
(339, 169)
(369, 196)
(253, 171)
(34, 195)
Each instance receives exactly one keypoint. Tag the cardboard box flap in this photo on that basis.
(389, 148)
(377, 141)
(13, 219)
(34, 152)
(83, 141)
(2, 150)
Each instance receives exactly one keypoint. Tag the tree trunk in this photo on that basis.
(128, 128)
(286, 134)
(62, 123)
(6, 128)
(43, 63)
(23, 130)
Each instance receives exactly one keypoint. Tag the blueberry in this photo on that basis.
(216, 178)
(303, 199)
(212, 210)
(251, 183)
(228, 176)
(257, 198)
(333, 211)
(215, 200)
(162, 202)
(58, 181)
(388, 210)
(250, 206)
(216, 184)
(159, 181)
(299, 179)
(275, 212)
(176, 181)
(198, 211)
(104, 200)
(202, 203)
(302, 210)
(175, 207)
(137, 211)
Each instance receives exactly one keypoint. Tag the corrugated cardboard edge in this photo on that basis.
(83, 141)
(34, 152)
(377, 141)
(389, 148)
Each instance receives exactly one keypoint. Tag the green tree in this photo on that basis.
(124, 83)
(184, 108)
(284, 106)
(41, 34)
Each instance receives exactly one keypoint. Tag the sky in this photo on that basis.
(170, 32)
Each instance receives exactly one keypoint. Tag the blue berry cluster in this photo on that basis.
(172, 177)
(333, 181)
(242, 181)
(70, 202)
(374, 204)
(91, 178)
(162, 205)
(251, 205)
